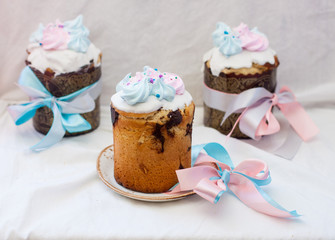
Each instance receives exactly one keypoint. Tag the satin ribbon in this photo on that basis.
(213, 174)
(255, 106)
(66, 110)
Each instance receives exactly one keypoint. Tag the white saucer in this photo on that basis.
(105, 167)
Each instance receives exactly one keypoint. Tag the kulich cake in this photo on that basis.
(240, 60)
(65, 61)
(152, 117)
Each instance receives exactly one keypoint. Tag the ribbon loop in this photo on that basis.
(65, 109)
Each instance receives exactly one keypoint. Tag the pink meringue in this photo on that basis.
(251, 40)
(174, 81)
(55, 37)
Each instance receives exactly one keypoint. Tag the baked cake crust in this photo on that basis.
(150, 147)
(62, 85)
(236, 81)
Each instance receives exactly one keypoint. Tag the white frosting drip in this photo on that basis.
(61, 61)
(218, 61)
(152, 104)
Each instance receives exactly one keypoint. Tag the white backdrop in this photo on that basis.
(174, 35)
(56, 194)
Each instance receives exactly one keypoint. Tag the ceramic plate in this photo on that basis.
(105, 167)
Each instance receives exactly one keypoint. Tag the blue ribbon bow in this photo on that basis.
(66, 110)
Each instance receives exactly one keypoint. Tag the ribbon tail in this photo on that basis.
(55, 134)
(75, 123)
(23, 112)
(299, 120)
(253, 118)
(268, 125)
(254, 197)
(290, 145)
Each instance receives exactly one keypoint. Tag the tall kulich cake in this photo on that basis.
(152, 117)
(65, 61)
(240, 60)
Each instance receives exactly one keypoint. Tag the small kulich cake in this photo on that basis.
(240, 60)
(65, 61)
(152, 118)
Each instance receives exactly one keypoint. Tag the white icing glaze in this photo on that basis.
(218, 61)
(152, 104)
(61, 61)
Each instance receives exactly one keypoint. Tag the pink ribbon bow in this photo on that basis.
(210, 178)
(257, 119)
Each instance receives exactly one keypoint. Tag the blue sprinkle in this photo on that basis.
(157, 95)
(225, 32)
(40, 44)
(155, 69)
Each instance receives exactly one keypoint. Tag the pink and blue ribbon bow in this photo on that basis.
(213, 174)
(257, 119)
(66, 110)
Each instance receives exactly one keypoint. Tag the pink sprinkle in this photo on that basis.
(160, 76)
(128, 84)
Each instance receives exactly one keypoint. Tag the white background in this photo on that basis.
(56, 194)
(174, 35)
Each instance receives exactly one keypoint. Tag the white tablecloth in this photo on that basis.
(57, 194)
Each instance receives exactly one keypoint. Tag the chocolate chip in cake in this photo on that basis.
(175, 119)
(158, 134)
(114, 115)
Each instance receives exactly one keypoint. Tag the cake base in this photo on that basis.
(236, 83)
(149, 148)
(62, 85)
(105, 168)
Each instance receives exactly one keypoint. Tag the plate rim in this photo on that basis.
(141, 197)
